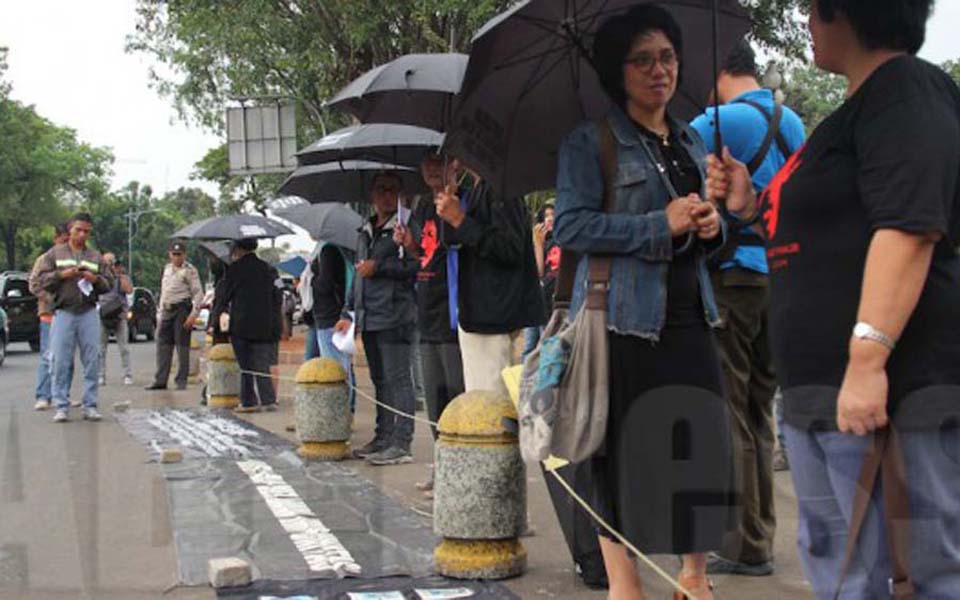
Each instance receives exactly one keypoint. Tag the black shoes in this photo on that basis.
(155, 386)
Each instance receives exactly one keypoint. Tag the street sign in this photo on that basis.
(262, 138)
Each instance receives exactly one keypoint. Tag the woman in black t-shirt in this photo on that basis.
(865, 296)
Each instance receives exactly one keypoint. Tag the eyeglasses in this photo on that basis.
(646, 61)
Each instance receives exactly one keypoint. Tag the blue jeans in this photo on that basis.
(388, 356)
(44, 376)
(71, 331)
(311, 348)
(825, 466)
(324, 339)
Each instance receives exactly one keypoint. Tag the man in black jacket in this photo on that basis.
(384, 301)
(498, 287)
(253, 295)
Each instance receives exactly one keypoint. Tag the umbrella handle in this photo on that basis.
(717, 136)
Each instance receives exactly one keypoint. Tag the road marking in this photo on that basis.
(320, 548)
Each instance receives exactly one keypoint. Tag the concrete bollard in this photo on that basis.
(322, 410)
(196, 351)
(480, 491)
(223, 377)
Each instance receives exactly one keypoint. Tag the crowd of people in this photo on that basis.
(825, 267)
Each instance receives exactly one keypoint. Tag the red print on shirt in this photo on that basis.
(770, 199)
(428, 243)
(552, 262)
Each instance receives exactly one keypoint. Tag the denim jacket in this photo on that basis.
(636, 235)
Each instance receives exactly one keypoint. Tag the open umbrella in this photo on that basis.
(333, 223)
(218, 249)
(416, 89)
(294, 266)
(530, 81)
(402, 145)
(233, 227)
(349, 180)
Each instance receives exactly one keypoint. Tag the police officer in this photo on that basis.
(181, 296)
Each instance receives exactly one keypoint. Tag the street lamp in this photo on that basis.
(132, 218)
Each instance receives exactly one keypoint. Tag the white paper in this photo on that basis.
(446, 594)
(403, 213)
(86, 288)
(344, 342)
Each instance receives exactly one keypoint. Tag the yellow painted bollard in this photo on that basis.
(322, 410)
(480, 490)
(223, 377)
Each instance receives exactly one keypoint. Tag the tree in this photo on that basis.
(952, 67)
(813, 93)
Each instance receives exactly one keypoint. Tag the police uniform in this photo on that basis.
(181, 296)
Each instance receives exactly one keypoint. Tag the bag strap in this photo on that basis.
(886, 459)
(773, 134)
(598, 268)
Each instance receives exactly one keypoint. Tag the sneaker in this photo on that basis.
(247, 409)
(155, 386)
(718, 565)
(76, 403)
(42, 405)
(394, 455)
(780, 460)
(128, 380)
(91, 413)
(61, 416)
(102, 381)
(272, 407)
(426, 486)
(375, 445)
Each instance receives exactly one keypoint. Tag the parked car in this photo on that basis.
(4, 335)
(142, 318)
(21, 308)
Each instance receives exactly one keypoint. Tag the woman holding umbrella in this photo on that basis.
(664, 368)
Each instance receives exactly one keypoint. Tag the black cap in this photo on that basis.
(178, 247)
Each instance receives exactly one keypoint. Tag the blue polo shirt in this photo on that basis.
(743, 129)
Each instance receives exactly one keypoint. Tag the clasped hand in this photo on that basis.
(691, 214)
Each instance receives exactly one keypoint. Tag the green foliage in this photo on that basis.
(813, 93)
(952, 67)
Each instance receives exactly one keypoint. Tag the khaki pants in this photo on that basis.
(485, 356)
(750, 383)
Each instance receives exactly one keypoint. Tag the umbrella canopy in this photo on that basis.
(293, 266)
(530, 82)
(346, 180)
(218, 249)
(416, 89)
(403, 145)
(233, 227)
(332, 223)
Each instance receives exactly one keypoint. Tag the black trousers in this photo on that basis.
(170, 334)
(442, 376)
(255, 357)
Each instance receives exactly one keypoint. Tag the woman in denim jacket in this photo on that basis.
(664, 477)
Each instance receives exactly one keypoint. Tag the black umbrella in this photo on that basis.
(530, 82)
(218, 249)
(233, 227)
(336, 224)
(349, 180)
(416, 89)
(402, 145)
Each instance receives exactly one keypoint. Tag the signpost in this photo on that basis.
(262, 137)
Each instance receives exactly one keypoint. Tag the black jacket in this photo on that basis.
(499, 288)
(329, 285)
(386, 300)
(253, 294)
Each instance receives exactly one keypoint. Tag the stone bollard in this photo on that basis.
(322, 410)
(223, 377)
(480, 491)
(196, 351)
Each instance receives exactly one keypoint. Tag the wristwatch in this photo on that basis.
(866, 331)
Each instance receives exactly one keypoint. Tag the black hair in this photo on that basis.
(62, 228)
(390, 174)
(617, 34)
(742, 61)
(248, 245)
(542, 213)
(883, 24)
(80, 216)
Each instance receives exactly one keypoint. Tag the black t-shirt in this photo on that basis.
(889, 158)
(684, 304)
(433, 305)
(329, 287)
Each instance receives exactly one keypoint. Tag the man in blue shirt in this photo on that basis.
(763, 134)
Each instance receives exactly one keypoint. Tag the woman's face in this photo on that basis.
(830, 39)
(650, 71)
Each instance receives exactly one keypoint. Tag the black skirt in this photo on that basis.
(665, 476)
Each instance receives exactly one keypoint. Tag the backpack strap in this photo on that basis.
(885, 458)
(598, 268)
(773, 134)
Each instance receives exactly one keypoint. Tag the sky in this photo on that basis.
(67, 58)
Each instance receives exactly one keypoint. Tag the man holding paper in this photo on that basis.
(75, 275)
(382, 302)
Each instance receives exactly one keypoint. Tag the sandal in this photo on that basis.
(708, 587)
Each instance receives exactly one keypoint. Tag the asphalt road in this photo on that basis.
(83, 513)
